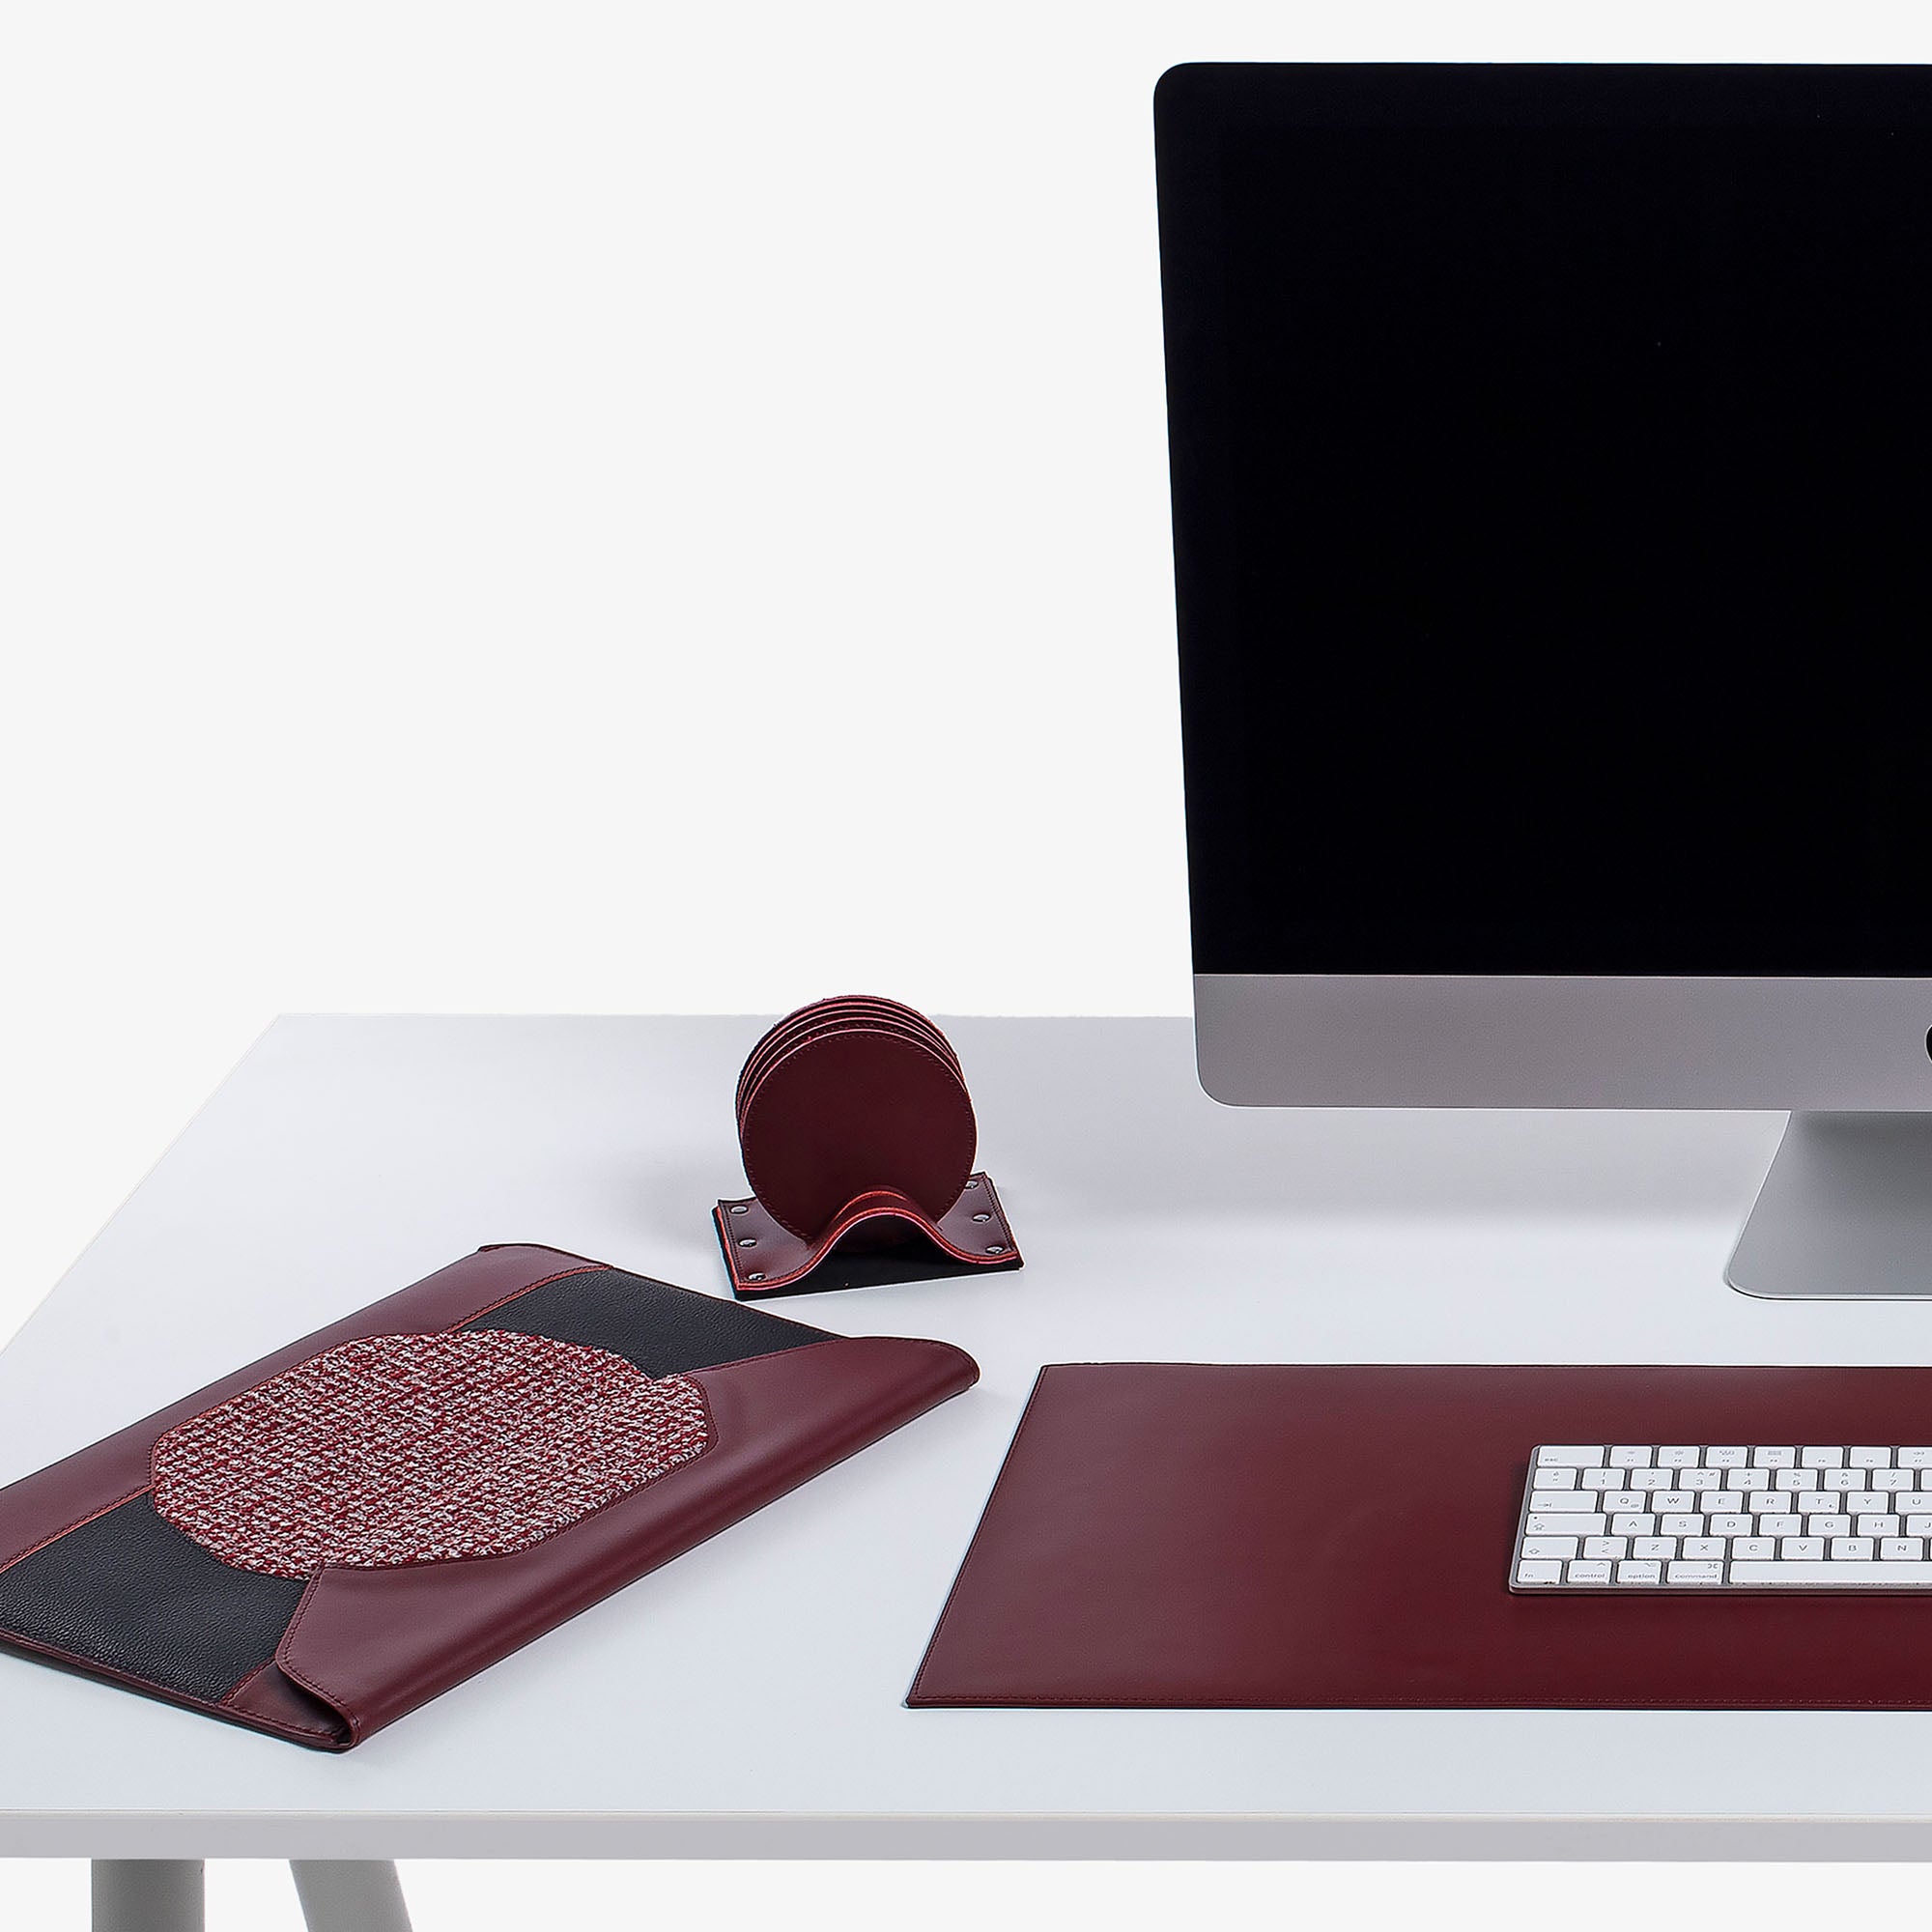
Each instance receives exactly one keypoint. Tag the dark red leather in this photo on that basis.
(1189, 1536)
(765, 1259)
(372, 1645)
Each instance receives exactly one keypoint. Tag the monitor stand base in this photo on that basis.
(1845, 1213)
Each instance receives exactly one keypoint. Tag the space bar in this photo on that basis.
(1834, 1575)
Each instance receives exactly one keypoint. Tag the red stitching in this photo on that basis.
(530, 1287)
(266, 1665)
(111, 1674)
(80, 1522)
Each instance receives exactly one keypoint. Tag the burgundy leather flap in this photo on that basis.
(1339, 1536)
(373, 1644)
(55, 1500)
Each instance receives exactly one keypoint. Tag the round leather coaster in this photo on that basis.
(403, 1449)
(852, 1110)
(866, 1023)
(842, 1009)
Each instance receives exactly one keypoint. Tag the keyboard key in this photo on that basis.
(1795, 1479)
(1622, 1499)
(1830, 1576)
(1757, 1549)
(1550, 1546)
(1560, 1455)
(1673, 1499)
(1695, 1572)
(1914, 1459)
(1539, 1523)
(1810, 1503)
(1851, 1550)
(1918, 1525)
(1802, 1549)
(1893, 1480)
(1547, 1500)
(1681, 1526)
(1820, 1459)
(1828, 1526)
(1901, 1549)
(1611, 1479)
(1605, 1545)
(1726, 1459)
(1774, 1500)
(1639, 1572)
(1539, 1573)
(1589, 1572)
(1861, 1502)
(1637, 1455)
(1705, 1547)
(1654, 1546)
(1730, 1526)
(1878, 1526)
(1780, 1525)
(1651, 1479)
(1844, 1479)
(1556, 1478)
(1629, 1524)
(1678, 1456)
(1703, 1479)
(1870, 1459)
(1747, 1479)
(1776, 1459)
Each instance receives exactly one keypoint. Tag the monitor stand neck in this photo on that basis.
(1845, 1212)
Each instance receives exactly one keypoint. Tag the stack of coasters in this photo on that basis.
(859, 1138)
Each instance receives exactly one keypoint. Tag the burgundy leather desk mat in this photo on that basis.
(1189, 1536)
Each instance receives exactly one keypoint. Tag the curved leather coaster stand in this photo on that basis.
(766, 1259)
(858, 1138)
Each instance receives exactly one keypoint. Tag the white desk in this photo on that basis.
(745, 1701)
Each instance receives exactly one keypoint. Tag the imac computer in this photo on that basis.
(1551, 455)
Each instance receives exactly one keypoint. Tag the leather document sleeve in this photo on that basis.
(330, 1537)
(1339, 1536)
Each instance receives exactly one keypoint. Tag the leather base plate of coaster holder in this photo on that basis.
(858, 1138)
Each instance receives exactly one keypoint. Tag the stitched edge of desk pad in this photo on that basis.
(130, 1596)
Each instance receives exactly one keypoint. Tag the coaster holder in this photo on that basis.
(878, 1236)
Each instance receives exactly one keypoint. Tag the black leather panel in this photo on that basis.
(661, 1329)
(131, 1592)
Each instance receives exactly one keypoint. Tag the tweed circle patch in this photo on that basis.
(420, 1449)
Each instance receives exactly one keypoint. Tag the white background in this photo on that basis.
(621, 508)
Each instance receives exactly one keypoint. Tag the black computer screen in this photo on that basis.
(1552, 459)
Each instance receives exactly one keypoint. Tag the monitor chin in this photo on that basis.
(1825, 1045)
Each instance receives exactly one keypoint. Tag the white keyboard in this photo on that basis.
(1611, 1516)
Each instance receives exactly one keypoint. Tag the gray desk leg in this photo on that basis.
(351, 1896)
(147, 1895)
